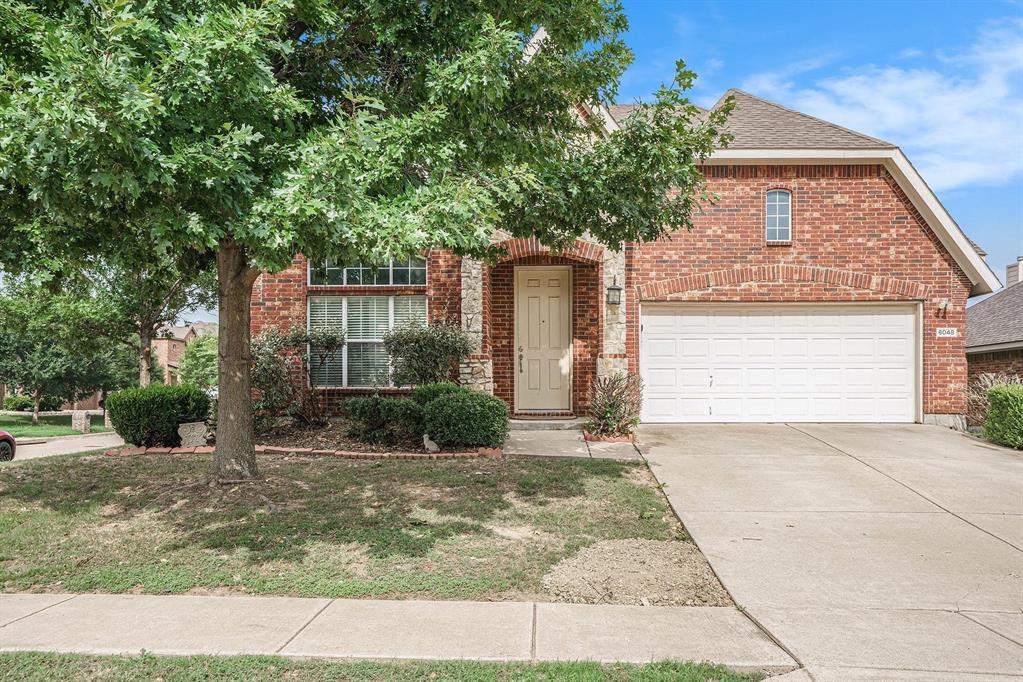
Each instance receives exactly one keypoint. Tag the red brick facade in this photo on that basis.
(855, 237)
(1003, 361)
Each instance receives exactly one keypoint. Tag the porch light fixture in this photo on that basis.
(614, 293)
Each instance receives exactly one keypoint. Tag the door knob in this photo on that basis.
(520, 363)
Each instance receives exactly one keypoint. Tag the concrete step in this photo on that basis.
(538, 424)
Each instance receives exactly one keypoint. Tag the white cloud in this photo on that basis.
(960, 121)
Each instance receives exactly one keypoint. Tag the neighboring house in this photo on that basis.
(994, 328)
(827, 283)
(169, 346)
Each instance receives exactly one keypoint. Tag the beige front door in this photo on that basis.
(543, 338)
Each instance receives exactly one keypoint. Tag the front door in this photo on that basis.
(543, 339)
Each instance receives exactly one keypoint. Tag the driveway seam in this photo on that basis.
(907, 487)
(532, 637)
(304, 626)
(29, 615)
(988, 627)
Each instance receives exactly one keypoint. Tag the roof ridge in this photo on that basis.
(782, 107)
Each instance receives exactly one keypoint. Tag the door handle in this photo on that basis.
(520, 363)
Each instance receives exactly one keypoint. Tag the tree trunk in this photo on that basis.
(236, 455)
(145, 357)
(37, 399)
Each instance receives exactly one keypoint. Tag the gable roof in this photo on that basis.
(768, 133)
(996, 321)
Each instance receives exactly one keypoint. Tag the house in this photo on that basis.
(826, 283)
(169, 346)
(994, 328)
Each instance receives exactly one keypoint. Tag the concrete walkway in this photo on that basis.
(375, 629)
(870, 552)
(564, 443)
(68, 445)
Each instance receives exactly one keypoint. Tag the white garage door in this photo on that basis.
(767, 363)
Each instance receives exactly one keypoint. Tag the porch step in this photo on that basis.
(538, 424)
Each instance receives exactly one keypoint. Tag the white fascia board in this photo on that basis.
(994, 347)
(948, 231)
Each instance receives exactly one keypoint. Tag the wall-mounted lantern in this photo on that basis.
(614, 293)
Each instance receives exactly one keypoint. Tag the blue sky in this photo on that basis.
(943, 80)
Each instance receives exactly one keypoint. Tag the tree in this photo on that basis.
(52, 345)
(358, 131)
(198, 365)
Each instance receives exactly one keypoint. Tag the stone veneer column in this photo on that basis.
(477, 372)
(612, 357)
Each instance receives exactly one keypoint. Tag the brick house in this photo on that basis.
(169, 346)
(825, 283)
(994, 329)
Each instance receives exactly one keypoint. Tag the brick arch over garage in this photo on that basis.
(580, 251)
(896, 288)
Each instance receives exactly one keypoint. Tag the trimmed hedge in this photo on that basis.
(427, 393)
(467, 419)
(150, 416)
(384, 420)
(1004, 422)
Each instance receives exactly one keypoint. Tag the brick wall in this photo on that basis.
(1007, 361)
(587, 299)
(856, 237)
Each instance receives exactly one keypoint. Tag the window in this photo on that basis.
(398, 272)
(363, 360)
(779, 216)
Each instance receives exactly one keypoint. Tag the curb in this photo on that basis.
(481, 453)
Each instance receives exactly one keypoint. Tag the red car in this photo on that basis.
(7, 445)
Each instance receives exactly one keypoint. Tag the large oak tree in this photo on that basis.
(355, 129)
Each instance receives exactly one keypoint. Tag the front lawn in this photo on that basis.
(43, 667)
(21, 426)
(472, 529)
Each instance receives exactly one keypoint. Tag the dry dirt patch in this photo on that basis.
(647, 572)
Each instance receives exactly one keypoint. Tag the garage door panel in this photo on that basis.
(772, 363)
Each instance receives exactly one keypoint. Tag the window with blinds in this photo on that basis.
(328, 273)
(363, 360)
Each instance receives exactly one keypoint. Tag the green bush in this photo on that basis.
(467, 419)
(21, 403)
(1005, 415)
(425, 354)
(615, 401)
(150, 416)
(384, 420)
(427, 393)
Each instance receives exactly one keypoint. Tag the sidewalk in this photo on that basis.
(377, 629)
(67, 444)
(566, 443)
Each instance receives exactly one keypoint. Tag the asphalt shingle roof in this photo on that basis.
(756, 123)
(996, 319)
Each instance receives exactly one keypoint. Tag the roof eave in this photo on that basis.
(995, 347)
(981, 276)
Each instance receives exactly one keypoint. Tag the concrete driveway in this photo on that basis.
(868, 551)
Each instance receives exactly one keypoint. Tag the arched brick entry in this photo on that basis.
(580, 251)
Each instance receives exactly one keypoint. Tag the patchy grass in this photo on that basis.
(21, 426)
(40, 667)
(474, 529)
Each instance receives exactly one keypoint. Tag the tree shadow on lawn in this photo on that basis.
(303, 500)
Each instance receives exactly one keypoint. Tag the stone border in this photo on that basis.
(492, 453)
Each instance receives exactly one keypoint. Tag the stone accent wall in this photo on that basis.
(613, 357)
(855, 237)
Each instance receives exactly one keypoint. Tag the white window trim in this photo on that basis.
(344, 275)
(767, 197)
(344, 317)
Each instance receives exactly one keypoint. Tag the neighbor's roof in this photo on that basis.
(997, 319)
(756, 123)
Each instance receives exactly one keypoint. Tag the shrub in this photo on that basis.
(427, 393)
(615, 402)
(198, 366)
(384, 420)
(151, 416)
(425, 354)
(21, 403)
(1004, 422)
(976, 394)
(467, 419)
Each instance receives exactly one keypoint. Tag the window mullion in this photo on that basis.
(344, 347)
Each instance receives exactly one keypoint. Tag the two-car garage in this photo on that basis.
(780, 362)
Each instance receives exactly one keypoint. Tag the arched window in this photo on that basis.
(779, 216)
